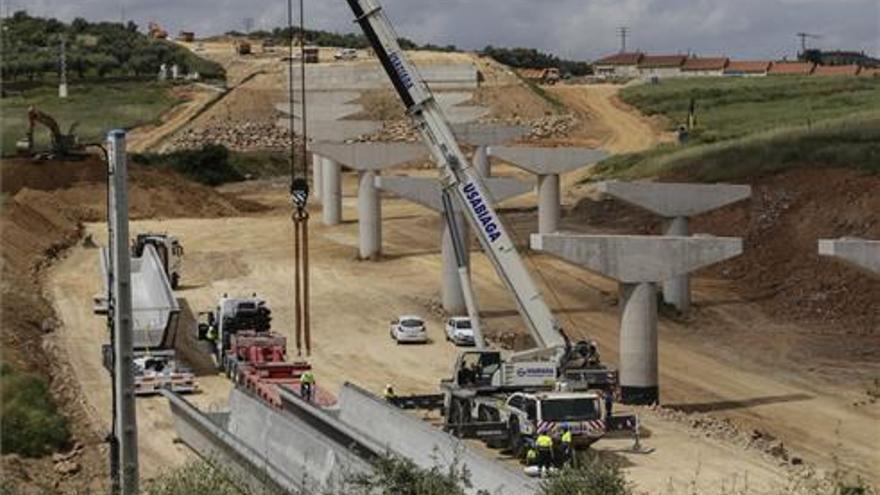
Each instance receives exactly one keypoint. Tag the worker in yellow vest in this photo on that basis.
(531, 456)
(389, 392)
(544, 443)
(306, 385)
(565, 441)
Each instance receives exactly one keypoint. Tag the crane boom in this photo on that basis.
(457, 175)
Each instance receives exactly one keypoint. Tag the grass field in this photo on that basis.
(729, 108)
(755, 126)
(97, 107)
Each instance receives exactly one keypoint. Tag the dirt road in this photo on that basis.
(621, 129)
(145, 138)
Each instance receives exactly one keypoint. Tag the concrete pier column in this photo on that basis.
(331, 195)
(369, 216)
(317, 175)
(452, 294)
(638, 263)
(677, 290)
(639, 369)
(548, 203)
(481, 161)
(860, 253)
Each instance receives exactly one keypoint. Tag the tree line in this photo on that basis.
(32, 47)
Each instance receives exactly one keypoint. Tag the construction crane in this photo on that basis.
(63, 145)
(484, 387)
(803, 36)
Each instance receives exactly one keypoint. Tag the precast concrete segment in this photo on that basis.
(428, 192)
(675, 200)
(639, 367)
(335, 131)
(370, 156)
(369, 216)
(452, 98)
(861, 253)
(488, 134)
(427, 446)
(154, 307)
(463, 114)
(481, 161)
(207, 436)
(321, 111)
(546, 161)
(452, 293)
(633, 258)
(331, 195)
(677, 290)
(290, 443)
(549, 207)
(321, 98)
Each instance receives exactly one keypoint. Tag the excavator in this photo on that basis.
(64, 146)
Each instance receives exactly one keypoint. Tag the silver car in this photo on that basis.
(409, 328)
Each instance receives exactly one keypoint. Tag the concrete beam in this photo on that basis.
(428, 193)
(546, 161)
(331, 192)
(633, 258)
(860, 253)
(488, 134)
(321, 112)
(638, 263)
(463, 114)
(676, 200)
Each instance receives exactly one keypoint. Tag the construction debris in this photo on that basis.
(237, 136)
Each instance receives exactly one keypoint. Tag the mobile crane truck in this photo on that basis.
(495, 395)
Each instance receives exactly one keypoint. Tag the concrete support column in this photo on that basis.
(481, 161)
(639, 371)
(317, 175)
(369, 216)
(452, 294)
(677, 290)
(331, 195)
(548, 203)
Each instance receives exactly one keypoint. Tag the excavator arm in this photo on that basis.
(459, 178)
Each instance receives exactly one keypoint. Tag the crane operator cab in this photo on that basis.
(477, 368)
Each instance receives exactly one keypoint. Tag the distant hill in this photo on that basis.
(100, 49)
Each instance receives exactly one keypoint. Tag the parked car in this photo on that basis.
(409, 328)
(346, 54)
(459, 330)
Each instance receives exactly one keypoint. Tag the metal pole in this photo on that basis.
(126, 427)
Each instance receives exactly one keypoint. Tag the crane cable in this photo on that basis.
(299, 188)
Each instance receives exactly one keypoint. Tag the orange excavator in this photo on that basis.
(63, 145)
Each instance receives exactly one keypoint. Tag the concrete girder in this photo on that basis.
(860, 253)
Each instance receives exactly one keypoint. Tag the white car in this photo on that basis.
(409, 328)
(346, 54)
(459, 330)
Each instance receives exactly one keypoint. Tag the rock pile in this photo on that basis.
(237, 136)
(550, 126)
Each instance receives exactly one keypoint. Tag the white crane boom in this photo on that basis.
(457, 175)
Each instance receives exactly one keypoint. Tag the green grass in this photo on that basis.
(729, 108)
(97, 106)
(30, 424)
(847, 142)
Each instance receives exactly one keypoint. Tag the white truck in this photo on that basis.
(233, 314)
(484, 378)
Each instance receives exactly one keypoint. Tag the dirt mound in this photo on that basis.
(780, 267)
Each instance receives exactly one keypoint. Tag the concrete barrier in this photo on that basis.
(427, 446)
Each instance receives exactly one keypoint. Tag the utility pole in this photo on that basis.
(622, 32)
(125, 420)
(62, 85)
(248, 25)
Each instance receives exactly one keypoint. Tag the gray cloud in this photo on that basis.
(571, 28)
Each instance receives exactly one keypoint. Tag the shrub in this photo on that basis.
(30, 424)
(208, 165)
(194, 478)
(594, 477)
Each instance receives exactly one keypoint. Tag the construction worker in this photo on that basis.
(531, 455)
(389, 392)
(565, 441)
(306, 384)
(544, 443)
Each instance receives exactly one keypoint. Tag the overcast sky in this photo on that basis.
(581, 29)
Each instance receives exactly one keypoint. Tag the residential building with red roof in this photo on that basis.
(869, 72)
(747, 68)
(661, 65)
(624, 64)
(837, 70)
(704, 66)
(791, 68)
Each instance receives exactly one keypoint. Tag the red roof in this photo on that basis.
(658, 61)
(836, 70)
(621, 59)
(795, 68)
(748, 66)
(866, 72)
(707, 63)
